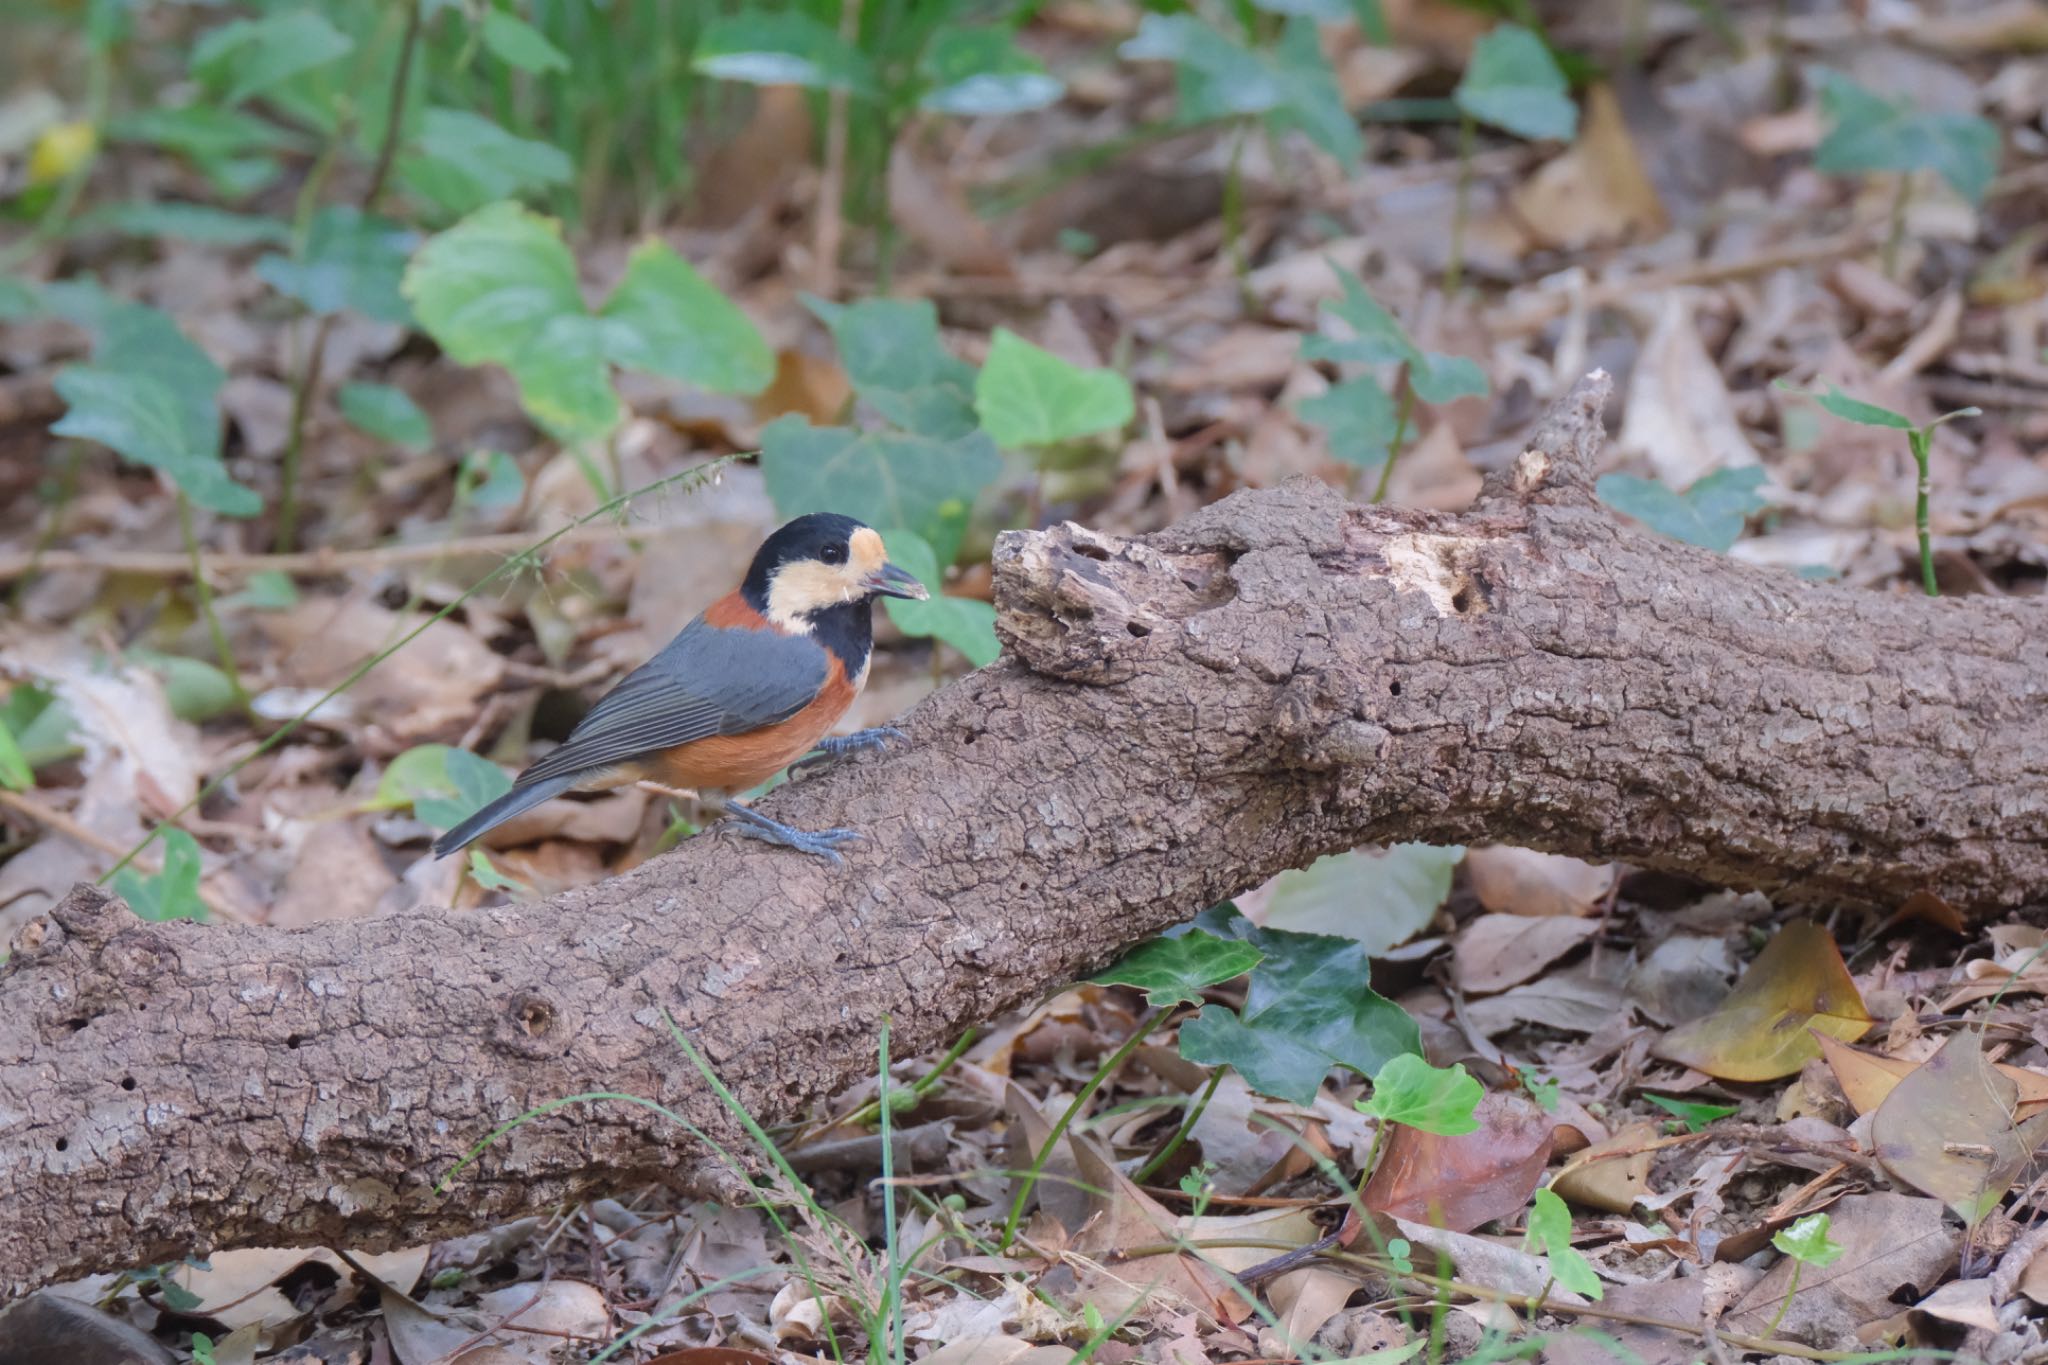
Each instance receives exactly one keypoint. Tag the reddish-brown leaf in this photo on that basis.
(1461, 1182)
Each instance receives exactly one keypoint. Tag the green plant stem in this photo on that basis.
(1791, 1288)
(889, 1248)
(307, 381)
(1896, 236)
(202, 592)
(1233, 212)
(1403, 411)
(1372, 1157)
(512, 562)
(1454, 268)
(924, 1084)
(1074, 1111)
(1921, 443)
(1180, 1134)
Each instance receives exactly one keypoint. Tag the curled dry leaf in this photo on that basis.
(1679, 416)
(1521, 881)
(1949, 1129)
(1760, 1031)
(1495, 952)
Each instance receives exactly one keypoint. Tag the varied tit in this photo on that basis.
(749, 687)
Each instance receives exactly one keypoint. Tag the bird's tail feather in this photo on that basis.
(512, 803)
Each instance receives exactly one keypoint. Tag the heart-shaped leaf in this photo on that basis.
(1176, 970)
(1408, 1090)
(1027, 396)
(896, 362)
(1711, 513)
(1513, 83)
(1867, 132)
(967, 625)
(664, 318)
(885, 478)
(388, 414)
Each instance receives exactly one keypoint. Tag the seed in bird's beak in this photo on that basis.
(890, 581)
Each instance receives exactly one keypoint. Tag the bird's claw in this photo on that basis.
(822, 843)
(835, 747)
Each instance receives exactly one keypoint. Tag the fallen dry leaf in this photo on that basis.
(1866, 1078)
(1948, 1129)
(1521, 881)
(1596, 193)
(427, 690)
(1678, 416)
(1611, 1175)
(1497, 951)
(1461, 1182)
(1759, 1033)
(1890, 1243)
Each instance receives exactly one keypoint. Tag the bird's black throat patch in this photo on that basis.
(848, 630)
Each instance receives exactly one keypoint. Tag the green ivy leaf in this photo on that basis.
(892, 354)
(443, 785)
(1027, 396)
(982, 71)
(266, 590)
(519, 44)
(351, 261)
(15, 773)
(1220, 78)
(1807, 1241)
(786, 48)
(1854, 409)
(1377, 338)
(172, 893)
(885, 478)
(1711, 513)
(491, 479)
(1377, 898)
(500, 288)
(249, 56)
(664, 318)
(144, 419)
(466, 162)
(200, 223)
(967, 625)
(1513, 83)
(1359, 418)
(1867, 132)
(1694, 1115)
(1308, 1009)
(1550, 1229)
(1175, 970)
(1429, 1099)
(388, 414)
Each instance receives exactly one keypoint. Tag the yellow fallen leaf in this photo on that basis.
(1760, 1032)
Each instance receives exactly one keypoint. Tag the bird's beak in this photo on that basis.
(890, 581)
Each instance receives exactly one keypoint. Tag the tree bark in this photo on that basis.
(1176, 719)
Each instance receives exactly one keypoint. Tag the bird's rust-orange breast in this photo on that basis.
(733, 763)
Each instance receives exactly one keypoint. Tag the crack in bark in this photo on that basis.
(1175, 719)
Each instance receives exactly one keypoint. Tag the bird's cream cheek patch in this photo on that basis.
(867, 553)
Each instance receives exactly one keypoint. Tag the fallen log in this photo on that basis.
(1176, 718)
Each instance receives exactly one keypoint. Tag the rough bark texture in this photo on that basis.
(1278, 677)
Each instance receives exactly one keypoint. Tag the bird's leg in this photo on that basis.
(835, 747)
(822, 844)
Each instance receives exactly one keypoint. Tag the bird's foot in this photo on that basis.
(835, 747)
(822, 843)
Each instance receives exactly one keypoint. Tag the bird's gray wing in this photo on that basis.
(709, 680)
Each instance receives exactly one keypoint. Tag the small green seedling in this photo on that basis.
(1808, 1244)
(1430, 1099)
(1867, 132)
(1545, 1090)
(172, 893)
(1919, 440)
(1711, 513)
(1693, 1115)
(1514, 84)
(1367, 423)
(1550, 1231)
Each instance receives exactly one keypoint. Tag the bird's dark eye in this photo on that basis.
(833, 554)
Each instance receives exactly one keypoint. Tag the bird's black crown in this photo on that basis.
(823, 536)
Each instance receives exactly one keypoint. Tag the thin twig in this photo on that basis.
(309, 563)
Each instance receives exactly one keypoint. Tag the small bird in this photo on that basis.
(745, 690)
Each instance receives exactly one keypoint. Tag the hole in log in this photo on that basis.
(1394, 688)
(63, 1144)
(293, 1040)
(1461, 600)
(1095, 552)
(535, 1017)
(127, 1082)
(1138, 629)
